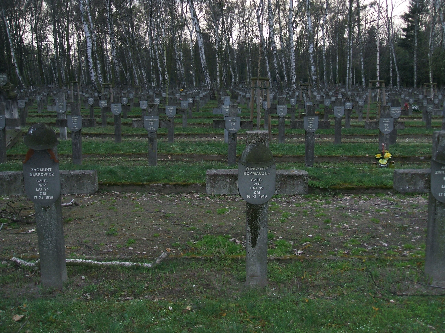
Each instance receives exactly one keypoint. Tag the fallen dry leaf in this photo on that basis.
(17, 317)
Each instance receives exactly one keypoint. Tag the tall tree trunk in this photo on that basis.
(179, 58)
(311, 43)
(200, 43)
(216, 27)
(283, 47)
(323, 32)
(192, 57)
(360, 44)
(349, 48)
(89, 45)
(290, 24)
(95, 48)
(378, 41)
(11, 47)
(115, 68)
(259, 17)
(390, 29)
(272, 40)
(431, 46)
(416, 28)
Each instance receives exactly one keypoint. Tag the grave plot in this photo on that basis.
(200, 145)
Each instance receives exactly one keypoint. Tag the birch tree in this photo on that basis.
(360, 44)
(115, 69)
(390, 39)
(11, 46)
(272, 43)
(200, 43)
(290, 24)
(282, 44)
(89, 44)
(262, 46)
(323, 36)
(310, 30)
(349, 47)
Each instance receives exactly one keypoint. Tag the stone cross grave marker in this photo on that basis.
(91, 105)
(42, 186)
(184, 111)
(61, 116)
(310, 126)
(348, 112)
(386, 125)
(151, 124)
(256, 185)
(23, 111)
(395, 112)
(435, 251)
(281, 112)
(74, 123)
(170, 111)
(232, 124)
(103, 103)
(339, 111)
(116, 110)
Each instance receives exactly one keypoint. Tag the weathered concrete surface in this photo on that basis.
(225, 181)
(72, 182)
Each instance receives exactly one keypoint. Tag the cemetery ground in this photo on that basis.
(347, 257)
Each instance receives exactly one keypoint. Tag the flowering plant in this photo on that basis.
(383, 157)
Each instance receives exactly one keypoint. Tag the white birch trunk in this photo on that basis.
(116, 67)
(349, 58)
(337, 74)
(431, 47)
(89, 45)
(259, 17)
(192, 57)
(283, 47)
(93, 38)
(217, 49)
(11, 46)
(232, 60)
(311, 43)
(323, 32)
(179, 59)
(360, 42)
(441, 13)
(390, 30)
(290, 24)
(156, 50)
(200, 43)
(164, 56)
(272, 40)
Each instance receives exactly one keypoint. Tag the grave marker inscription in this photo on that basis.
(42, 186)
(256, 184)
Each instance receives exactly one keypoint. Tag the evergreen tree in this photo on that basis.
(414, 62)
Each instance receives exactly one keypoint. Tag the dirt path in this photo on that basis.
(141, 225)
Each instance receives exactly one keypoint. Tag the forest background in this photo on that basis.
(172, 44)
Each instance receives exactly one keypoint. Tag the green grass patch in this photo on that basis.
(313, 295)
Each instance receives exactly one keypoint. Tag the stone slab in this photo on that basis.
(225, 181)
(72, 182)
(412, 180)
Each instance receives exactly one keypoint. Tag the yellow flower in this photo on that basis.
(383, 161)
(378, 156)
(387, 155)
